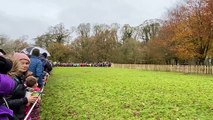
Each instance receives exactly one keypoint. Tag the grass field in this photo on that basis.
(120, 94)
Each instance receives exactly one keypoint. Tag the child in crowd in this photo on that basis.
(31, 82)
(32, 87)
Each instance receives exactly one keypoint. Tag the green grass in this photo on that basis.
(120, 94)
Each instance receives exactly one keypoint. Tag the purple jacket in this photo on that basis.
(5, 113)
(7, 85)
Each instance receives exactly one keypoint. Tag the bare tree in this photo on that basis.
(83, 30)
(59, 33)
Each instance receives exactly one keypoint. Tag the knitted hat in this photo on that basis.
(5, 65)
(36, 52)
(7, 85)
(21, 56)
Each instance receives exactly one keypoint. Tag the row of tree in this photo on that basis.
(185, 36)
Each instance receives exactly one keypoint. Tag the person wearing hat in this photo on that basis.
(5, 65)
(7, 85)
(18, 101)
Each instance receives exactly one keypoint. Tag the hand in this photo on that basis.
(45, 79)
(47, 74)
(32, 99)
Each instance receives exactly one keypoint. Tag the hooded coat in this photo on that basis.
(6, 87)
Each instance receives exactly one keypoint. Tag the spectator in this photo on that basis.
(6, 87)
(18, 101)
(46, 63)
(36, 67)
(32, 85)
(47, 67)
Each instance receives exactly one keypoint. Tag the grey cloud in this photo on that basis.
(16, 27)
(97, 12)
(33, 17)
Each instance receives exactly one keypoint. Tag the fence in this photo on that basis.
(198, 69)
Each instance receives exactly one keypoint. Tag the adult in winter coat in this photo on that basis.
(18, 101)
(6, 87)
(36, 67)
(45, 62)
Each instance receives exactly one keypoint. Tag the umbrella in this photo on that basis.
(2, 52)
(29, 50)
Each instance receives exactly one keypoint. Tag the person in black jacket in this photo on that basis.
(18, 101)
(45, 62)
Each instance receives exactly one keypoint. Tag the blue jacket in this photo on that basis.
(37, 69)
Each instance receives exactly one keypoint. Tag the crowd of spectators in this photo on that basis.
(22, 79)
(100, 64)
(18, 74)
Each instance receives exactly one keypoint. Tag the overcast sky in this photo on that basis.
(33, 17)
